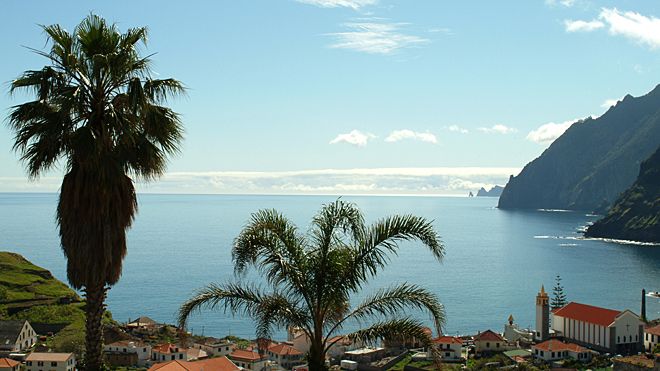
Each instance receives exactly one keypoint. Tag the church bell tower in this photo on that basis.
(542, 315)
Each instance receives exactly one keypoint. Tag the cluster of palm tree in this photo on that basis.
(98, 112)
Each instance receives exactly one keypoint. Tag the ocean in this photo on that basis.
(495, 263)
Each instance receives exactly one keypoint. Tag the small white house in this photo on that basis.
(651, 338)
(16, 336)
(50, 361)
(248, 360)
(215, 347)
(448, 347)
(554, 350)
(142, 350)
(285, 355)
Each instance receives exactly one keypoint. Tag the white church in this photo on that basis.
(607, 330)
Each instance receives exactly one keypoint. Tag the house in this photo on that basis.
(142, 323)
(215, 347)
(489, 342)
(50, 361)
(513, 333)
(403, 343)
(248, 359)
(212, 364)
(554, 350)
(338, 344)
(651, 338)
(618, 332)
(122, 353)
(171, 352)
(448, 348)
(16, 336)
(285, 355)
(7, 364)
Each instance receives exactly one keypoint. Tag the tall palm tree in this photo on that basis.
(98, 112)
(313, 277)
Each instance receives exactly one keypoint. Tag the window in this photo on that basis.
(29, 363)
(173, 357)
(487, 345)
(54, 364)
(618, 339)
(552, 354)
(40, 363)
(542, 354)
(497, 345)
(446, 354)
(180, 356)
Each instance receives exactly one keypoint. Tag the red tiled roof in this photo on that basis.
(245, 355)
(587, 313)
(284, 350)
(167, 348)
(448, 340)
(213, 364)
(489, 335)
(655, 330)
(558, 346)
(8, 363)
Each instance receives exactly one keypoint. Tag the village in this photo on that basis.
(573, 336)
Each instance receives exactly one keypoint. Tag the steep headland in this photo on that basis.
(595, 160)
(496, 191)
(636, 214)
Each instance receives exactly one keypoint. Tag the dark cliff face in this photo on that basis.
(496, 191)
(636, 214)
(595, 160)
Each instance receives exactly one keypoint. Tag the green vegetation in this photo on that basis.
(399, 366)
(313, 276)
(593, 162)
(21, 280)
(98, 111)
(558, 296)
(636, 214)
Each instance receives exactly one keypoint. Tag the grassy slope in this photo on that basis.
(31, 292)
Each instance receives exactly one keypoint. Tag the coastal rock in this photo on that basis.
(496, 191)
(588, 166)
(636, 214)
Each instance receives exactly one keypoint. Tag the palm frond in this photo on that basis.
(394, 329)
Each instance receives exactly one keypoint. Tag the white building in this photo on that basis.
(651, 338)
(215, 347)
(490, 342)
(7, 364)
(171, 352)
(248, 359)
(50, 362)
(142, 350)
(448, 347)
(16, 336)
(613, 331)
(554, 350)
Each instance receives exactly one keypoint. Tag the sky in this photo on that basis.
(431, 97)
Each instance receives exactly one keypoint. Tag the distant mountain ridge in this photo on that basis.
(636, 214)
(588, 166)
(496, 191)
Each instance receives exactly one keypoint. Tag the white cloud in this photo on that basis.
(355, 137)
(499, 129)
(398, 135)
(419, 181)
(566, 3)
(547, 133)
(442, 30)
(610, 102)
(582, 26)
(353, 4)
(375, 38)
(642, 29)
(458, 129)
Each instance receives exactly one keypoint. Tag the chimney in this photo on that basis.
(643, 313)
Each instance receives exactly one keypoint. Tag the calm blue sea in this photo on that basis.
(495, 260)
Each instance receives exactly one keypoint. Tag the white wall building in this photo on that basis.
(170, 352)
(16, 336)
(448, 347)
(618, 332)
(651, 338)
(553, 350)
(215, 347)
(50, 362)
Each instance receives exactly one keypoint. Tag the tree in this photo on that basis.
(99, 113)
(558, 296)
(312, 278)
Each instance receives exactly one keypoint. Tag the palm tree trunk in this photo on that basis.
(316, 356)
(94, 308)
